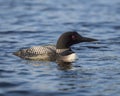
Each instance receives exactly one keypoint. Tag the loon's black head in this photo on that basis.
(69, 38)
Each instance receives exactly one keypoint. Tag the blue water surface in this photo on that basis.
(26, 23)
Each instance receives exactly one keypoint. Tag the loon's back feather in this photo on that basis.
(37, 52)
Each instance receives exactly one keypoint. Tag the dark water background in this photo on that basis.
(25, 23)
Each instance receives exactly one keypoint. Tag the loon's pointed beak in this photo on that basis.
(86, 39)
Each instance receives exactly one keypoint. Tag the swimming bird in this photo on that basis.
(60, 52)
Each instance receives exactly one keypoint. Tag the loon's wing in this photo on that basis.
(39, 50)
(35, 51)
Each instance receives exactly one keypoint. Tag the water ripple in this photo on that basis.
(32, 23)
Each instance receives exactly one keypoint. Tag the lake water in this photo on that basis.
(26, 23)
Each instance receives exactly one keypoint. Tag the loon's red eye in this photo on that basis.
(73, 37)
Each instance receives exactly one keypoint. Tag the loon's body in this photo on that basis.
(60, 52)
(38, 53)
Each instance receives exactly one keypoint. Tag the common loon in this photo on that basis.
(61, 52)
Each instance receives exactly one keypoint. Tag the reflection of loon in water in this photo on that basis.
(60, 52)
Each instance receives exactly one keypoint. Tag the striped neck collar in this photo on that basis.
(61, 50)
